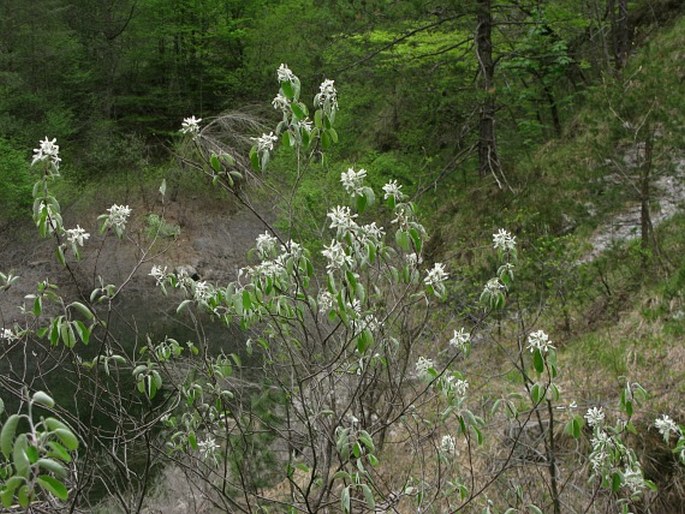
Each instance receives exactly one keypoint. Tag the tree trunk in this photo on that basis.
(488, 160)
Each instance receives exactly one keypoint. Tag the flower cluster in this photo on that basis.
(448, 445)
(436, 276)
(284, 74)
(352, 181)
(539, 340)
(8, 335)
(159, 274)
(191, 126)
(47, 151)
(423, 365)
(280, 103)
(336, 255)
(117, 218)
(265, 142)
(202, 291)
(76, 236)
(342, 220)
(503, 240)
(266, 244)
(327, 98)
(207, 448)
(595, 417)
(666, 426)
(393, 190)
(460, 339)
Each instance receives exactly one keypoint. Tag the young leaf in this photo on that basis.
(53, 486)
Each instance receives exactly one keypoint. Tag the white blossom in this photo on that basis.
(633, 479)
(337, 258)
(118, 216)
(460, 339)
(266, 243)
(594, 416)
(8, 335)
(207, 448)
(413, 260)
(265, 143)
(158, 273)
(327, 98)
(342, 219)
(293, 249)
(503, 240)
(284, 74)
(352, 181)
(77, 236)
(202, 291)
(455, 386)
(325, 301)
(306, 124)
(280, 102)
(493, 286)
(448, 445)
(47, 151)
(436, 276)
(423, 365)
(393, 189)
(539, 341)
(191, 126)
(666, 426)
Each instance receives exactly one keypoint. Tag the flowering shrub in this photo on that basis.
(347, 365)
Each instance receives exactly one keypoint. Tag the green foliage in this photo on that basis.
(15, 182)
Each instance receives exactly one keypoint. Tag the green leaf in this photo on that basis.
(20, 458)
(538, 361)
(53, 486)
(37, 306)
(82, 331)
(52, 466)
(368, 496)
(535, 509)
(215, 163)
(43, 398)
(7, 433)
(67, 438)
(162, 187)
(287, 89)
(23, 496)
(616, 482)
(299, 110)
(345, 499)
(59, 255)
(58, 451)
(367, 441)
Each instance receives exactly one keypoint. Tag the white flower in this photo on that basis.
(265, 143)
(293, 249)
(118, 216)
(77, 235)
(337, 258)
(266, 244)
(327, 98)
(423, 365)
(392, 189)
(342, 219)
(539, 341)
(413, 260)
(325, 301)
(306, 124)
(666, 426)
(633, 479)
(47, 151)
(284, 74)
(493, 286)
(594, 416)
(191, 126)
(158, 273)
(207, 447)
(503, 240)
(8, 335)
(352, 181)
(280, 102)
(456, 386)
(460, 339)
(436, 276)
(448, 445)
(202, 291)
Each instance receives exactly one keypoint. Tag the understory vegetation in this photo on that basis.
(351, 256)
